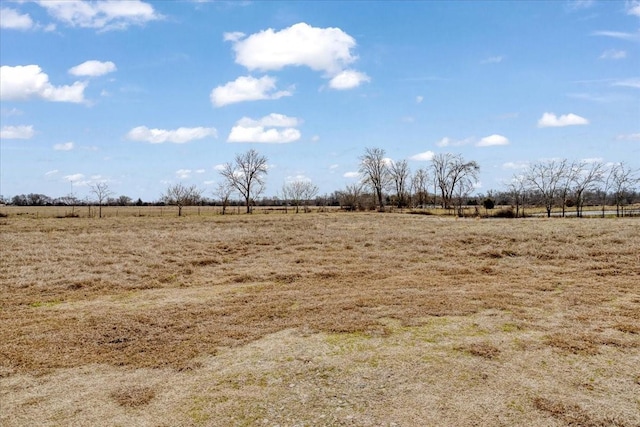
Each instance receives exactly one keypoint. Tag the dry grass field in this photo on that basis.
(330, 319)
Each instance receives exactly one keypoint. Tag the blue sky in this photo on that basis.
(141, 95)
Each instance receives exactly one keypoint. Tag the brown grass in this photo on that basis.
(319, 319)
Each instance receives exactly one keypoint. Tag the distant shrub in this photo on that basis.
(420, 212)
(3, 215)
(504, 213)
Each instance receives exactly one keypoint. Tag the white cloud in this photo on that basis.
(272, 120)
(629, 137)
(178, 136)
(233, 36)
(515, 165)
(351, 175)
(321, 49)
(613, 54)
(551, 120)
(618, 35)
(93, 68)
(200, 171)
(261, 135)
(264, 130)
(67, 146)
(103, 14)
(419, 99)
(11, 19)
(74, 178)
(493, 60)
(23, 82)
(334, 166)
(51, 172)
(247, 88)
(315, 138)
(348, 79)
(183, 173)
(425, 157)
(492, 140)
(16, 132)
(448, 142)
(633, 8)
(219, 167)
(633, 82)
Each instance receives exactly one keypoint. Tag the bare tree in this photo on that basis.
(454, 176)
(518, 191)
(419, 185)
(399, 172)
(587, 177)
(299, 192)
(180, 195)
(623, 180)
(571, 171)
(102, 192)
(349, 199)
(224, 191)
(544, 177)
(246, 175)
(375, 172)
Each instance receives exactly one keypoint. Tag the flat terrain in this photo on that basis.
(360, 319)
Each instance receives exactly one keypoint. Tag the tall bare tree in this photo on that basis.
(375, 172)
(623, 180)
(518, 191)
(246, 175)
(180, 195)
(102, 192)
(454, 176)
(399, 172)
(586, 179)
(544, 178)
(420, 187)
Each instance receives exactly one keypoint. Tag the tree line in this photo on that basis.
(448, 182)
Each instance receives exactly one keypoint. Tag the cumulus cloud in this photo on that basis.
(16, 132)
(74, 178)
(551, 120)
(329, 50)
(419, 99)
(633, 8)
(261, 135)
(321, 49)
(11, 19)
(93, 68)
(23, 82)
(613, 54)
(351, 175)
(265, 130)
(177, 136)
(247, 88)
(424, 157)
(67, 146)
(492, 140)
(348, 79)
(103, 14)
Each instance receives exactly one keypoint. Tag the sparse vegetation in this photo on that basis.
(319, 319)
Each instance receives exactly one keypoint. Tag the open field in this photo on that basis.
(319, 319)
